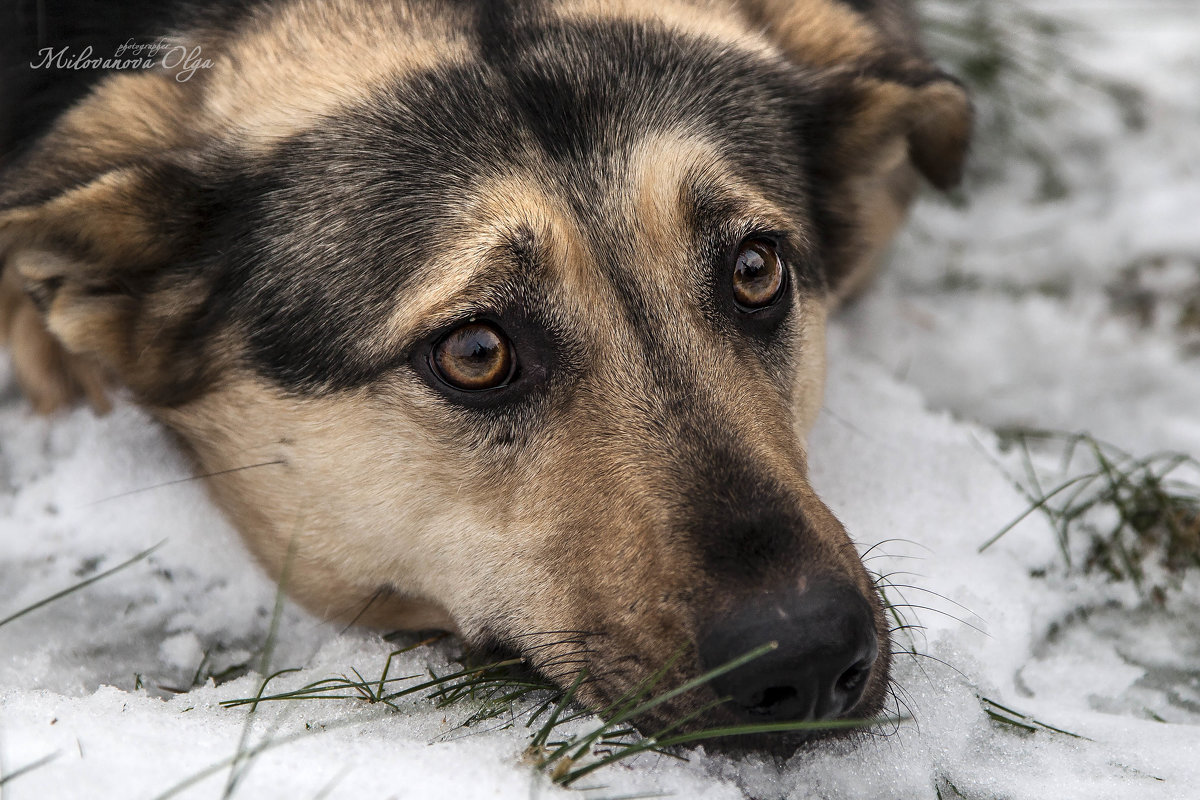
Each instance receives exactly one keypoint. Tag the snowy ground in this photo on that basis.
(1072, 303)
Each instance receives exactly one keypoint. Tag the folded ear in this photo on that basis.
(878, 83)
(93, 221)
(90, 262)
(928, 112)
(875, 137)
(50, 377)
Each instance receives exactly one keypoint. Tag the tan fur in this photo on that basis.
(710, 19)
(497, 210)
(296, 62)
(50, 377)
(279, 76)
(103, 215)
(817, 32)
(658, 168)
(571, 518)
(881, 199)
(90, 330)
(898, 130)
(127, 118)
(285, 70)
(339, 512)
(304, 59)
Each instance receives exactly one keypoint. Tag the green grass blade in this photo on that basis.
(82, 584)
(25, 770)
(1040, 504)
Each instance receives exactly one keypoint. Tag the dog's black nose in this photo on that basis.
(827, 645)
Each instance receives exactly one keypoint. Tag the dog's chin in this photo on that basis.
(861, 722)
(785, 745)
(777, 746)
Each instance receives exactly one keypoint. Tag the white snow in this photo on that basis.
(1063, 313)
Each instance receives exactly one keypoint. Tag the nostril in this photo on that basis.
(772, 698)
(852, 679)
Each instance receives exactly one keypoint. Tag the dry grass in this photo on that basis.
(1129, 518)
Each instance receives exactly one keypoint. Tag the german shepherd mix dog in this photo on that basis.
(516, 308)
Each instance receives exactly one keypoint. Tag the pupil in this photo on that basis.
(481, 351)
(752, 265)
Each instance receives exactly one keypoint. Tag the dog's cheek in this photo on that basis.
(353, 500)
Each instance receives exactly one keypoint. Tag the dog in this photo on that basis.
(504, 319)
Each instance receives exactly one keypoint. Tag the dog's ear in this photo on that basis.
(870, 141)
(91, 261)
(876, 85)
(89, 222)
(928, 112)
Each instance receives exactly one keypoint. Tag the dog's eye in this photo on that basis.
(474, 357)
(758, 275)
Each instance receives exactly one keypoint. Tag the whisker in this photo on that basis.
(555, 633)
(178, 481)
(895, 539)
(902, 702)
(943, 613)
(557, 644)
(366, 607)
(935, 594)
(938, 660)
(885, 577)
(563, 662)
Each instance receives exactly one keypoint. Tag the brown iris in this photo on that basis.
(474, 357)
(757, 275)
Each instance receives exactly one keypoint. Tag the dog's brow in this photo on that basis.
(509, 235)
(497, 282)
(682, 179)
(479, 280)
(728, 213)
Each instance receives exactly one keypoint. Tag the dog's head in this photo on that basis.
(512, 323)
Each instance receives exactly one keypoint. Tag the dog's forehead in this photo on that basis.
(291, 63)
